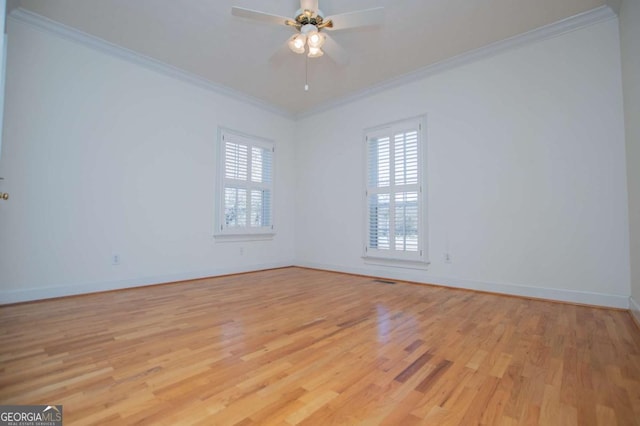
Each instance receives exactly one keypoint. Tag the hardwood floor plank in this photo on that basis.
(298, 346)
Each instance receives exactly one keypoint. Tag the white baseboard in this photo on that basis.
(581, 297)
(634, 309)
(40, 293)
(560, 295)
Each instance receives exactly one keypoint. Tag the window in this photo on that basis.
(395, 201)
(246, 185)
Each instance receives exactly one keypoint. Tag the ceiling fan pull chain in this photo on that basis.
(306, 73)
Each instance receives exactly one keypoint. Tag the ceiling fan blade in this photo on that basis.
(359, 18)
(259, 16)
(335, 51)
(311, 5)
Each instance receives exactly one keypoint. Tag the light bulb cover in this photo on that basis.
(297, 42)
(316, 39)
(315, 52)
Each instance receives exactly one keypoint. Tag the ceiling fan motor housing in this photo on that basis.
(309, 17)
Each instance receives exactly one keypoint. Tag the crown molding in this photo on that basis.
(585, 19)
(75, 35)
(591, 17)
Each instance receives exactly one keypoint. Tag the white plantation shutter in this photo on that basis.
(394, 193)
(236, 160)
(246, 184)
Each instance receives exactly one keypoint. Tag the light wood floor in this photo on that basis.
(296, 346)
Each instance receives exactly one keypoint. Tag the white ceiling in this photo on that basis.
(201, 37)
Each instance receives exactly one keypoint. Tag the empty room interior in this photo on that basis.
(321, 212)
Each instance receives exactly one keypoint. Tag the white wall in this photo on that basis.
(527, 180)
(526, 173)
(630, 41)
(104, 156)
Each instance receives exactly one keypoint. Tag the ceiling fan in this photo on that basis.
(310, 24)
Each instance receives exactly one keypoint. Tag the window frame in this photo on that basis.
(393, 257)
(221, 231)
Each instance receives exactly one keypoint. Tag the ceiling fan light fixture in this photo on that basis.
(315, 52)
(315, 39)
(297, 42)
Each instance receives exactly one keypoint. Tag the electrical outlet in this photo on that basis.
(447, 258)
(115, 259)
(241, 251)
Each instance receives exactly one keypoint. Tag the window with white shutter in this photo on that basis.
(395, 192)
(245, 185)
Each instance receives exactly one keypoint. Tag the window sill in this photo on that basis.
(397, 263)
(230, 238)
